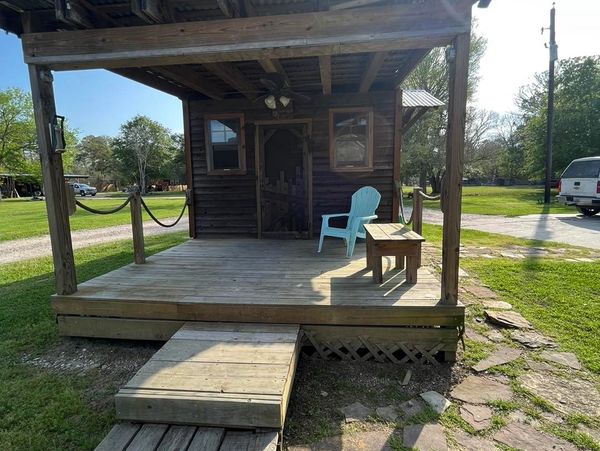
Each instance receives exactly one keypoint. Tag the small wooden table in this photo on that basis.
(396, 240)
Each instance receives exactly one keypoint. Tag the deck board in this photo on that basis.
(216, 375)
(280, 281)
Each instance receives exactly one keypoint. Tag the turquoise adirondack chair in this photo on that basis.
(364, 203)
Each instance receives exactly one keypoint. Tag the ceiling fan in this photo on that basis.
(279, 92)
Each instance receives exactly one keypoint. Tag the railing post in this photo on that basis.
(137, 228)
(418, 216)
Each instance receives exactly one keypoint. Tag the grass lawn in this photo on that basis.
(559, 298)
(39, 409)
(21, 218)
(505, 201)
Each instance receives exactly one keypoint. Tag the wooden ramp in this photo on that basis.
(216, 374)
(165, 437)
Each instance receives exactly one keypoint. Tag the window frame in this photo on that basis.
(241, 170)
(370, 142)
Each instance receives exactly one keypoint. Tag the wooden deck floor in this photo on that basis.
(249, 280)
(169, 437)
(216, 374)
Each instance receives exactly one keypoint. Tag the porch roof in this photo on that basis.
(339, 46)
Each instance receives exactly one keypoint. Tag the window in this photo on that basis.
(582, 169)
(225, 147)
(351, 139)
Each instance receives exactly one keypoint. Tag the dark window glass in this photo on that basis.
(224, 143)
(351, 139)
(582, 169)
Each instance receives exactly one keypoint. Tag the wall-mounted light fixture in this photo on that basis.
(57, 133)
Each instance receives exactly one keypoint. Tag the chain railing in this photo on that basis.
(136, 203)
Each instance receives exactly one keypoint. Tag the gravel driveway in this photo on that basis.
(24, 249)
(573, 229)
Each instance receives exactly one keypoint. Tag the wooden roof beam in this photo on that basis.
(230, 8)
(325, 70)
(152, 11)
(352, 4)
(272, 65)
(140, 75)
(411, 62)
(384, 28)
(375, 62)
(73, 14)
(194, 82)
(234, 78)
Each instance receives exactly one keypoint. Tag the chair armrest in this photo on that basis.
(337, 215)
(361, 220)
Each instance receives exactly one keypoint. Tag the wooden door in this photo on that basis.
(284, 182)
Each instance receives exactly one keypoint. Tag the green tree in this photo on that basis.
(576, 115)
(17, 132)
(94, 155)
(425, 143)
(143, 151)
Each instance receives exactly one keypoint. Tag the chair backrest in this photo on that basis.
(364, 203)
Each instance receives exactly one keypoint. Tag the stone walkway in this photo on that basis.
(572, 229)
(513, 389)
(24, 249)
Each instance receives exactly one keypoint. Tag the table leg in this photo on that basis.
(412, 264)
(369, 244)
(400, 262)
(377, 269)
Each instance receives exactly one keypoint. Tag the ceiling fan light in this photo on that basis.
(270, 102)
(285, 101)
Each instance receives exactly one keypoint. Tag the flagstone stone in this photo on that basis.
(532, 340)
(475, 336)
(479, 417)
(481, 292)
(496, 305)
(567, 395)
(356, 412)
(388, 413)
(524, 437)
(436, 401)
(512, 255)
(498, 357)
(539, 366)
(495, 335)
(425, 437)
(508, 319)
(468, 442)
(411, 408)
(562, 358)
(480, 390)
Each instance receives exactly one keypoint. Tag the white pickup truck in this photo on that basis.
(579, 185)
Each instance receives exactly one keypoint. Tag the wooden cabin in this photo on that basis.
(288, 108)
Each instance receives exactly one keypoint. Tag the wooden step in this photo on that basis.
(169, 437)
(216, 374)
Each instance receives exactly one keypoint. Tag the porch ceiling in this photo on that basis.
(328, 65)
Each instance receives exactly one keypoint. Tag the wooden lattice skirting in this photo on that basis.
(395, 345)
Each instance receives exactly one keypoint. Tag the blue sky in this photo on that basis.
(95, 102)
(98, 102)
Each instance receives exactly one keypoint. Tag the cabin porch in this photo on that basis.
(341, 311)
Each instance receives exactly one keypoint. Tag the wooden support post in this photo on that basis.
(398, 126)
(55, 191)
(452, 187)
(418, 217)
(189, 174)
(137, 228)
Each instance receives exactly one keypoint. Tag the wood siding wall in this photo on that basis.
(227, 204)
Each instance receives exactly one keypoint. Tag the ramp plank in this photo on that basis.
(207, 439)
(177, 438)
(213, 374)
(148, 437)
(119, 437)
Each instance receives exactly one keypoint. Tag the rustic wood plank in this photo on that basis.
(249, 441)
(119, 437)
(452, 189)
(118, 328)
(404, 26)
(44, 109)
(234, 77)
(376, 60)
(192, 81)
(325, 71)
(397, 157)
(189, 173)
(137, 228)
(207, 439)
(177, 438)
(148, 437)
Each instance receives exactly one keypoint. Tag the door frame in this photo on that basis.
(258, 169)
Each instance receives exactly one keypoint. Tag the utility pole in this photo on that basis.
(553, 51)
